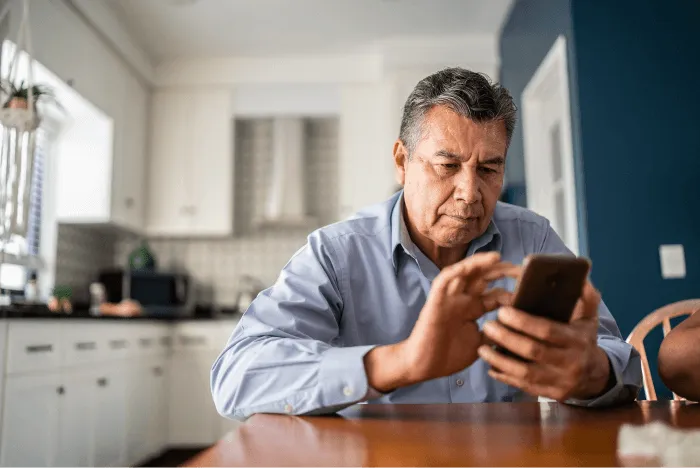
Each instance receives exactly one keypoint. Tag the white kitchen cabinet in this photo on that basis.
(76, 418)
(156, 435)
(190, 175)
(109, 447)
(101, 170)
(147, 410)
(102, 393)
(129, 175)
(193, 420)
(30, 425)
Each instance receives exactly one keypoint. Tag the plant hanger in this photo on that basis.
(18, 126)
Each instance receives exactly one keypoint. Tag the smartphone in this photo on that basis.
(549, 286)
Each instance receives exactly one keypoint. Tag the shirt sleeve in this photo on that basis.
(624, 359)
(280, 357)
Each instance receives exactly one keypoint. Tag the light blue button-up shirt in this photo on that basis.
(359, 283)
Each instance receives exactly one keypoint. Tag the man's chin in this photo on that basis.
(459, 238)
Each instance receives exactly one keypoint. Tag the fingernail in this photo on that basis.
(488, 326)
(482, 350)
(504, 313)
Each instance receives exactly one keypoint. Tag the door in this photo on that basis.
(549, 161)
(192, 415)
(77, 417)
(30, 425)
(110, 420)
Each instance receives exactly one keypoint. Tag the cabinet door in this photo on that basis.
(212, 163)
(139, 408)
(77, 418)
(158, 416)
(170, 208)
(192, 415)
(31, 420)
(130, 156)
(110, 421)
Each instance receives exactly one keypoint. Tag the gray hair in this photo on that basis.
(467, 93)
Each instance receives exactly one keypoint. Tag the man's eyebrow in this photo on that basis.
(448, 155)
(499, 160)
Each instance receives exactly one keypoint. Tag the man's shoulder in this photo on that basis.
(372, 222)
(506, 213)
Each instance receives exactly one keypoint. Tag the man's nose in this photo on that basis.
(467, 186)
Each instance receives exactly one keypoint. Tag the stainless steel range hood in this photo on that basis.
(285, 202)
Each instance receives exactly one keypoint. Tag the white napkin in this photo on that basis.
(657, 444)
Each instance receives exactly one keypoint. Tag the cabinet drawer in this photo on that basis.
(82, 343)
(34, 346)
(194, 337)
(118, 341)
(145, 338)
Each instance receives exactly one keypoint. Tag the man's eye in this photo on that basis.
(450, 166)
(487, 170)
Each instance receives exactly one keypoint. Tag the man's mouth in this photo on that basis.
(463, 219)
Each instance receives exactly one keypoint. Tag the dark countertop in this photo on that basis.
(42, 312)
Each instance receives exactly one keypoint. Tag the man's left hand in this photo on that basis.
(564, 360)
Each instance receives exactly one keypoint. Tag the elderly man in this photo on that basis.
(394, 306)
(679, 359)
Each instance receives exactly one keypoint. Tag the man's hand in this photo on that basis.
(564, 359)
(446, 337)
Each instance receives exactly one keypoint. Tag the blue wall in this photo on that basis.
(635, 72)
(638, 64)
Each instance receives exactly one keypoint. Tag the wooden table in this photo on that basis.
(504, 434)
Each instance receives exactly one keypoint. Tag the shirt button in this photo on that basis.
(347, 391)
(288, 408)
(459, 382)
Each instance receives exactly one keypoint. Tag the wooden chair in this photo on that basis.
(662, 317)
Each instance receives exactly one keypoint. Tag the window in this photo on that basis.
(25, 250)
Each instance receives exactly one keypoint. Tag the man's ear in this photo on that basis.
(400, 161)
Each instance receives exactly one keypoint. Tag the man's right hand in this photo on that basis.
(446, 336)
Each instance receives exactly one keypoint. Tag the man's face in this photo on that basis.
(454, 177)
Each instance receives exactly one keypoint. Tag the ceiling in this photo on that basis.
(167, 29)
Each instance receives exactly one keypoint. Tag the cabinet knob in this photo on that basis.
(60, 390)
(157, 371)
(129, 202)
(102, 382)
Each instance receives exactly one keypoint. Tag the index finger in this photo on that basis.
(497, 271)
(465, 269)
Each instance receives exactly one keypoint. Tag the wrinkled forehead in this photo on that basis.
(444, 129)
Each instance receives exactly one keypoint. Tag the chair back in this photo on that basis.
(661, 317)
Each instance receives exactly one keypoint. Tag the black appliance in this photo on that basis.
(159, 293)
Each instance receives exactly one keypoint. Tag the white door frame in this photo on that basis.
(552, 76)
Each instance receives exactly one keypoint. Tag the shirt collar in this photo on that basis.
(490, 240)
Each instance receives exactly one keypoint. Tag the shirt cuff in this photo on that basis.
(616, 393)
(343, 378)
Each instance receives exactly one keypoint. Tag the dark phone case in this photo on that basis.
(549, 287)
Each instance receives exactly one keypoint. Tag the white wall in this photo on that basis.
(367, 92)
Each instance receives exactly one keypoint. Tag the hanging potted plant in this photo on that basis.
(18, 96)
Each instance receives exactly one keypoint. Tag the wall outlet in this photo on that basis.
(672, 261)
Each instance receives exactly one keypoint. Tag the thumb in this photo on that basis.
(587, 305)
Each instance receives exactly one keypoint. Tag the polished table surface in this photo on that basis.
(503, 434)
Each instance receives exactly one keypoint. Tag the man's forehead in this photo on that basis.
(443, 125)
